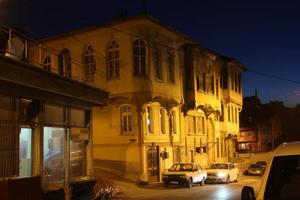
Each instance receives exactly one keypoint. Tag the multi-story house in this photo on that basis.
(168, 99)
(213, 100)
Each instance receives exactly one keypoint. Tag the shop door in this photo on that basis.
(153, 166)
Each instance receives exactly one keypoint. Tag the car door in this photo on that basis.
(233, 172)
(201, 173)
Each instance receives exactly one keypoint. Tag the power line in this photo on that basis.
(273, 76)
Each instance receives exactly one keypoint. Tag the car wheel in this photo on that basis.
(202, 181)
(228, 179)
(189, 183)
(166, 184)
(236, 180)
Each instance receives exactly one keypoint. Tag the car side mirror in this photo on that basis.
(247, 193)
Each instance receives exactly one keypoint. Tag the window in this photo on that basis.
(224, 79)
(162, 120)
(222, 112)
(217, 87)
(200, 124)
(64, 63)
(54, 154)
(47, 63)
(139, 58)
(212, 85)
(191, 124)
(172, 122)
(235, 112)
(25, 152)
(89, 64)
(77, 158)
(157, 63)
(218, 148)
(232, 115)
(228, 112)
(149, 120)
(171, 66)
(113, 64)
(126, 119)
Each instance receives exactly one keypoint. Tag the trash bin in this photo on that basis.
(82, 188)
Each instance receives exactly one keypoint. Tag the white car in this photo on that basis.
(281, 180)
(222, 172)
(184, 174)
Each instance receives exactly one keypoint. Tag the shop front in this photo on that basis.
(45, 125)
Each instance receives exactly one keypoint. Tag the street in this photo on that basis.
(230, 191)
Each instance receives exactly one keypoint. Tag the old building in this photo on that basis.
(45, 126)
(170, 99)
(213, 100)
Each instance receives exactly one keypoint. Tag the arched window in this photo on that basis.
(64, 63)
(139, 58)
(89, 64)
(113, 63)
(47, 63)
(149, 118)
(173, 122)
(162, 120)
(126, 119)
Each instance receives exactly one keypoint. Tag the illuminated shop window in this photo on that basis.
(54, 148)
(77, 159)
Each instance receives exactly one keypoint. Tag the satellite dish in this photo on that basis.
(17, 48)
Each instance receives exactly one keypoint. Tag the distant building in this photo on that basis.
(264, 126)
(170, 100)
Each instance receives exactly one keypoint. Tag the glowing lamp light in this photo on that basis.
(221, 175)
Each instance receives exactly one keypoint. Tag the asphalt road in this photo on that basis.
(231, 191)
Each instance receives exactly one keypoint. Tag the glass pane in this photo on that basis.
(77, 158)
(54, 155)
(25, 152)
(77, 117)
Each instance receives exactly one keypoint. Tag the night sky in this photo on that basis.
(262, 35)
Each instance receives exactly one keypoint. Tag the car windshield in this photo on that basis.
(255, 166)
(219, 166)
(284, 178)
(182, 167)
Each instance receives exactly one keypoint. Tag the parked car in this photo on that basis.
(262, 163)
(255, 170)
(222, 172)
(282, 176)
(184, 174)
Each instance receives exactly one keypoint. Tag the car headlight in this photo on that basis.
(165, 176)
(182, 176)
(221, 175)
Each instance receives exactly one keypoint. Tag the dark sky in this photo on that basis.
(262, 35)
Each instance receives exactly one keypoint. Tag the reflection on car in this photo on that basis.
(281, 180)
(184, 174)
(222, 172)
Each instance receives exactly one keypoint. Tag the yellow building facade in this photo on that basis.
(158, 111)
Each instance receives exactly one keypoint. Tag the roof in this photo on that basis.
(285, 149)
(114, 22)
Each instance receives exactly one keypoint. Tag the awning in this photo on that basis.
(21, 79)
